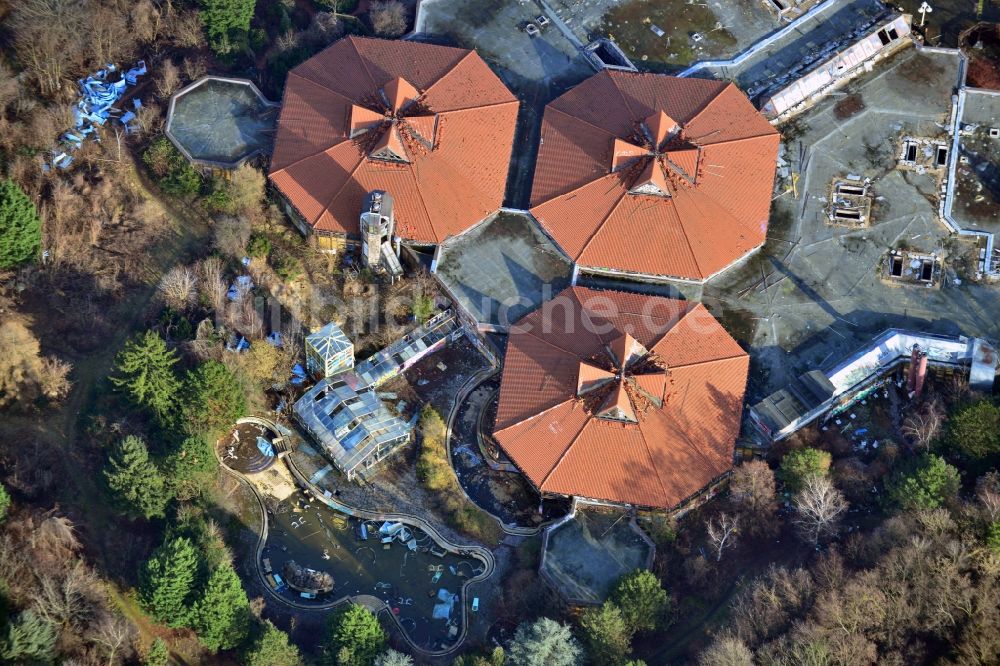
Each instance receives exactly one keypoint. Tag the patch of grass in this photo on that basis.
(435, 473)
(630, 26)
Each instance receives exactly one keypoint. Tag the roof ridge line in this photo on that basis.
(336, 194)
(600, 225)
(468, 54)
(649, 456)
(354, 45)
(711, 101)
(684, 436)
(710, 360)
(585, 122)
(569, 192)
(693, 201)
(457, 173)
(309, 156)
(562, 456)
(628, 107)
(535, 415)
(476, 108)
(551, 344)
(324, 87)
(413, 168)
(449, 71)
(736, 140)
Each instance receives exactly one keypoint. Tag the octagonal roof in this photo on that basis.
(221, 122)
(621, 397)
(654, 174)
(431, 125)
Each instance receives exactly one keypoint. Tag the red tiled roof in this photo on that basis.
(432, 125)
(655, 174)
(621, 397)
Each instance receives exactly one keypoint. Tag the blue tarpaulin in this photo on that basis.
(274, 339)
(265, 447)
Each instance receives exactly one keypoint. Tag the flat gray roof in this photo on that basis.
(503, 269)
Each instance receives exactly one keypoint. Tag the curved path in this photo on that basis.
(475, 382)
(372, 603)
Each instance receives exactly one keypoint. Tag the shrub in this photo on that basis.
(173, 173)
(926, 482)
(388, 18)
(993, 536)
(288, 267)
(974, 429)
(259, 246)
(4, 502)
(435, 474)
(606, 634)
(20, 228)
(797, 466)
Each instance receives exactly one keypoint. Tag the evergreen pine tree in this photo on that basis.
(134, 480)
(227, 22)
(222, 614)
(356, 637)
(167, 580)
(28, 638)
(20, 228)
(271, 648)
(158, 654)
(4, 502)
(190, 468)
(212, 398)
(146, 374)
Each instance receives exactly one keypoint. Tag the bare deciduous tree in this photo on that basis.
(819, 508)
(168, 79)
(178, 287)
(388, 18)
(988, 494)
(924, 425)
(752, 491)
(726, 650)
(54, 378)
(115, 637)
(212, 284)
(722, 530)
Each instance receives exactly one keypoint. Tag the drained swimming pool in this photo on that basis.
(397, 563)
(221, 122)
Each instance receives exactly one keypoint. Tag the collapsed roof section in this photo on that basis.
(621, 397)
(655, 175)
(431, 125)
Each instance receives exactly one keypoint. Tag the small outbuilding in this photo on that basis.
(329, 351)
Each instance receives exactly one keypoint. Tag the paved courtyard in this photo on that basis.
(814, 293)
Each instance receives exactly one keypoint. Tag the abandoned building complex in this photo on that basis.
(642, 182)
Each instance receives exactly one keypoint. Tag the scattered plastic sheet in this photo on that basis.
(98, 95)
